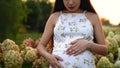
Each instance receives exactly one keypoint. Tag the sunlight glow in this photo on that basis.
(108, 9)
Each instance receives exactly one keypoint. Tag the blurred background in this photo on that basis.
(22, 23)
(22, 18)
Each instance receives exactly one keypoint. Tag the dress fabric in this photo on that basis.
(70, 27)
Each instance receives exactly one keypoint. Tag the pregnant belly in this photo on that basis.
(84, 59)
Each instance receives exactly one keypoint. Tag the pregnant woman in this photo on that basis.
(77, 34)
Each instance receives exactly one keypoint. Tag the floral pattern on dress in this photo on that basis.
(70, 27)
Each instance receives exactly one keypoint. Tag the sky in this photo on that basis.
(108, 9)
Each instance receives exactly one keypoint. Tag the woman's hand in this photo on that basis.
(54, 61)
(78, 46)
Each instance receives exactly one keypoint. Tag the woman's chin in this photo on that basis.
(73, 10)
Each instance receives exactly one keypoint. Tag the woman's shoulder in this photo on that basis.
(91, 14)
(93, 17)
(53, 17)
(55, 14)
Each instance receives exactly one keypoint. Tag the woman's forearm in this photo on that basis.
(42, 51)
(98, 48)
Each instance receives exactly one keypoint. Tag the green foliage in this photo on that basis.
(111, 34)
(39, 12)
(12, 59)
(117, 64)
(9, 45)
(29, 54)
(117, 37)
(21, 36)
(118, 58)
(44, 14)
(40, 63)
(33, 16)
(112, 45)
(110, 56)
(27, 64)
(107, 29)
(104, 63)
(12, 13)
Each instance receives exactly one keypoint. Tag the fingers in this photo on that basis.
(76, 49)
(78, 46)
(72, 45)
(76, 52)
(60, 65)
(79, 52)
(73, 42)
(72, 52)
(58, 58)
(73, 48)
(56, 63)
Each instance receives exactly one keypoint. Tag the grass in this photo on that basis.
(20, 37)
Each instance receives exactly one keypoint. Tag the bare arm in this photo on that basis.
(48, 32)
(98, 47)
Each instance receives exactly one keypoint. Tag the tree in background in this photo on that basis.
(33, 16)
(44, 13)
(39, 12)
(12, 13)
(105, 22)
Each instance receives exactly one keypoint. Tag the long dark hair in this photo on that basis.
(85, 5)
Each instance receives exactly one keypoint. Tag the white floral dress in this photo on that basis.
(70, 27)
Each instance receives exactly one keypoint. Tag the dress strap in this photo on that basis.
(60, 12)
(84, 12)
